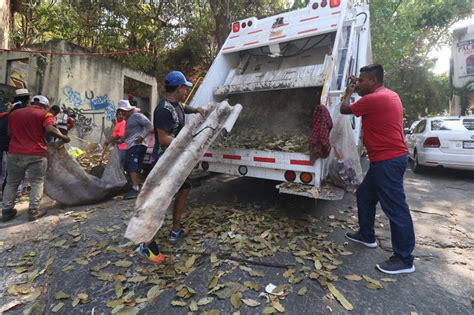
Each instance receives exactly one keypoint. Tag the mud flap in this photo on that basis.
(326, 191)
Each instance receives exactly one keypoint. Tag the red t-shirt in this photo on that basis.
(27, 128)
(382, 124)
(119, 132)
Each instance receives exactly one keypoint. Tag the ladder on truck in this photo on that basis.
(341, 60)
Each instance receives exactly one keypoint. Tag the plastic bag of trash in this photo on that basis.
(68, 183)
(344, 161)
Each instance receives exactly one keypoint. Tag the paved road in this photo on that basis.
(441, 202)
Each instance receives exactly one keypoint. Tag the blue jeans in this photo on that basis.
(384, 183)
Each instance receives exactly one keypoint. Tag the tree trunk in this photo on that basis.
(220, 11)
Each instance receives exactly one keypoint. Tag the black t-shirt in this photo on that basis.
(168, 116)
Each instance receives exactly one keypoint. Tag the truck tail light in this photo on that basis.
(306, 177)
(236, 27)
(334, 3)
(431, 142)
(290, 176)
(315, 6)
(324, 3)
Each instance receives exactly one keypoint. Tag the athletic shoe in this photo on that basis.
(131, 194)
(179, 234)
(145, 252)
(8, 214)
(358, 238)
(394, 266)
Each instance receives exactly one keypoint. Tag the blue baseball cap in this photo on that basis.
(176, 78)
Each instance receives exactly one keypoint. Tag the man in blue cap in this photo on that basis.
(168, 120)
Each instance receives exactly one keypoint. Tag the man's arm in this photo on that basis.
(345, 102)
(56, 133)
(147, 127)
(164, 137)
(193, 110)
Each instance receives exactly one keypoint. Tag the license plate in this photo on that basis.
(468, 144)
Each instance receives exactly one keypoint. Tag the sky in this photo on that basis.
(444, 53)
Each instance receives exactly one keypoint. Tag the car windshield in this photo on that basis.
(448, 125)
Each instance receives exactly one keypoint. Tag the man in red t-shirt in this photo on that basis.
(27, 154)
(382, 126)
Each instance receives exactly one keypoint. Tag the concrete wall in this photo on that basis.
(90, 86)
(462, 74)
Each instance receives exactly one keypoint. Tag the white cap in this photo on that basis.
(41, 99)
(22, 92)
(125, 105)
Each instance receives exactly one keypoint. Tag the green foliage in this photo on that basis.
(403, 34)
(187, 34)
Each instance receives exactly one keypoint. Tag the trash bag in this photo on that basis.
(68, 183)
(345, 170)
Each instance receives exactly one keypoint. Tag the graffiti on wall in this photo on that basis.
(18, 73)
(86, 106)
(82, 123)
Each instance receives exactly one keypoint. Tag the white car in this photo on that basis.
(442, 141)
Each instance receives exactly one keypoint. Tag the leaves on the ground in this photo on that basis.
(278, 306)
(253, 285)
(303, 291)
(269, 310)
(190, 262)
(123, 263)
(61, 295)
(236, 300)
(252, 272)
(153, 293)
(68, 268)
(338, 295)
(212, 282)
(317, 264)
(372, 283)
(179, 303)
(193, 306)
(205, 301)
(32, 297)
(137, 279)
(118, 289)
(185, 292)
(214, 258)
(389, 280)
(57, 307)
(251, 302)
(353, 277)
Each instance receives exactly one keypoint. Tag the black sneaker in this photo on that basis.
(358, 238)
(131, 194)
(395, 266)
(34, 214)
(8, 214)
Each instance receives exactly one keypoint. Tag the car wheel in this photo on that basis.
(416, 167)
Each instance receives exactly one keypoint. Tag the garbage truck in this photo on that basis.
(279, 68)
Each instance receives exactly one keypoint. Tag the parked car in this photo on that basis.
(442, 141)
